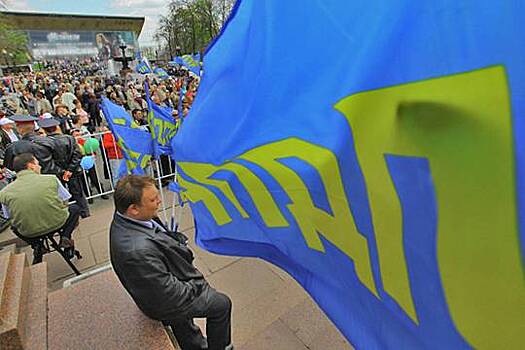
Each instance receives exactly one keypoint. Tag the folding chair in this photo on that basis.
(41, 246)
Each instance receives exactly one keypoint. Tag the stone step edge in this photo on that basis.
(12, 310)
(5, 258)
(36, 312)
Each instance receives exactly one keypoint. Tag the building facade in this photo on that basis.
(57, 36)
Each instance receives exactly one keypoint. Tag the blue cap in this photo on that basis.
(48, 122)
(23, 118)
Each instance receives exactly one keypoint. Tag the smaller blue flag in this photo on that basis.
(163, 126)
(135, 143)
(192, 62)
(161, 73)
(143, 67)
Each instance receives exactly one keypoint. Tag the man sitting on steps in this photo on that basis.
(37, 204)
(156, 268)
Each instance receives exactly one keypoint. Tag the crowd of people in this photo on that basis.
(47, 122)
(69, 88)
(70, 92)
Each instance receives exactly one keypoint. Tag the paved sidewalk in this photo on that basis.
(270, 310)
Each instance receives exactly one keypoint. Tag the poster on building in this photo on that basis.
(61, 44)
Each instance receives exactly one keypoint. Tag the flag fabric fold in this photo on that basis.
(135, 143)
(162, 125)
(143, 67)
(191, 62)
(161, 73)
(373, 151)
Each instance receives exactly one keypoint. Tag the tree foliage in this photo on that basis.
(13, 43)
(190, 25)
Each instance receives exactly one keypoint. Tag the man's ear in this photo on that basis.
(133, 210)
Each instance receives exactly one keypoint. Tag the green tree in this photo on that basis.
(190, 25)
(13, 43)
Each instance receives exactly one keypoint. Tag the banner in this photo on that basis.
(374, 150)
(59, 44)
(161, 73)
(143, 67)
(192, 62)
(136, 144)
(162, 125)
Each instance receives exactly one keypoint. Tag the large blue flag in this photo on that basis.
(136, 144)
(192, 62)
(162, 125)
(374, 150)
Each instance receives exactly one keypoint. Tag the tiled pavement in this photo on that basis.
(270, 310)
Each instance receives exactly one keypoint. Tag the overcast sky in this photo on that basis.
(151, 9)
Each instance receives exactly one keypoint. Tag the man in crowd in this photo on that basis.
(67, 97)
(155, 266)
(8, 134)
(138, 117)
(42, 104)
(67, 157)
(37, 204)
(30, 142)
(62, 115)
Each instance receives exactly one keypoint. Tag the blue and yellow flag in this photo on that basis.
(162, 125)
(388, 177)
(161, 73)
(136, 144)
(143, 67)
(192, 62)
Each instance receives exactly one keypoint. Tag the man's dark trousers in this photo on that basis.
(67, 231)
(72, 220)
(74, 186)
(216, 308)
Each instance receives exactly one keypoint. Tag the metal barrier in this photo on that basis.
(163, 170)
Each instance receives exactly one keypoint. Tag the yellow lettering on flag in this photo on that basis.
(462, 124)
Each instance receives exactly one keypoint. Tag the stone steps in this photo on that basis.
(13, 303)
(97, 313)
(94, 313)
(23, 303)
(36, 311)
(4, 265)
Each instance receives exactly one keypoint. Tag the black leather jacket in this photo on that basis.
(42, 148)
(67, 153)
(156, 269)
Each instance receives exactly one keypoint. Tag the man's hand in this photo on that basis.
(67, 175)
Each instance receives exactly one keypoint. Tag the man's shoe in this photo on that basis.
(66, 242)
(38, 252)
(104, 196)
(37, 259)
(69, 247)
(37, 256)
(85, 215)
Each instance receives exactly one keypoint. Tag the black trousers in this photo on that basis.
(67, 231)
(216, 308)
(74, 186)
(72, 220)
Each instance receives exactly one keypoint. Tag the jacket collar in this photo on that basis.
(155, 232)
(146, 224)
(26, 172)
(30, 136)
